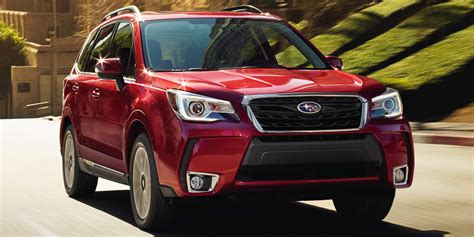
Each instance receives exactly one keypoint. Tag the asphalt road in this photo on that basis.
(34, 203)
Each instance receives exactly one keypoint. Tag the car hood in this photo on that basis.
(240, 82)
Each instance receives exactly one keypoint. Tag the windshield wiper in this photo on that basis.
(254, 66)
(241, 67)
(178, 69)
(195, 69)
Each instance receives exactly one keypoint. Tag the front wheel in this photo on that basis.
(150, 209)
(366, 207)
(76, 182)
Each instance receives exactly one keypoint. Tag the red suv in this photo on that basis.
(230, 103)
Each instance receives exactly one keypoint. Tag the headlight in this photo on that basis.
(388, 105)
(193, 107)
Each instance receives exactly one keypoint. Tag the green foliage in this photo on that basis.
(349, 29)
(413, 30)
(290, 56)
(358, 24)
(300, 25)
(11, 46)
(432, 63)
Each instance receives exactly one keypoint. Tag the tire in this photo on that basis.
(368, 207)
(150, 209)
(76, 182)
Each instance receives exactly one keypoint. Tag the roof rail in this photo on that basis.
(243, 8)
(130, 8)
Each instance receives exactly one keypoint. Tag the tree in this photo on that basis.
(11, 46)
(12, 53)
(92, 11)
(205, 5)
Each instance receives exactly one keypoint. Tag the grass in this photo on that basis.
(347, 30)
(407, 34)
(300, 25)
(358, 24)
(432, 63)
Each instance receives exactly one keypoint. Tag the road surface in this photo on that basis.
(34, 203)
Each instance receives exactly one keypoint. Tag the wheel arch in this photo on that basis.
(137, 125)
(66, 120)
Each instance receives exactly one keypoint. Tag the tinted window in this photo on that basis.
(100, 48)
(86, 50)
(219, 43)
(122, 47)
(285, 50)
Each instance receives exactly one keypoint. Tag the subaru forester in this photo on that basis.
(229, 103)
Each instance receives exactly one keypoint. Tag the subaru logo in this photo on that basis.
(309, 107)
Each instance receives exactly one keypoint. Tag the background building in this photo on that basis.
(30, 92)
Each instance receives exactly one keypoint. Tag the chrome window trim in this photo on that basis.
(129, 79)
(248, 98)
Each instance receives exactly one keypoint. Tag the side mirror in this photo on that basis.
(111, 68)
(335, 62)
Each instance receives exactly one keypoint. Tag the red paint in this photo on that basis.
(109, 66)
(103, 122)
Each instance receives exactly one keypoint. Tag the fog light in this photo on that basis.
(400, 175)
(199, 182)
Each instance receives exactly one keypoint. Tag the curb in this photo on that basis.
(443, 139)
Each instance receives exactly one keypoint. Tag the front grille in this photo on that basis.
(281, 113)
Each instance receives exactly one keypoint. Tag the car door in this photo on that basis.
(88, 96)
(112, 106)
(80, 86)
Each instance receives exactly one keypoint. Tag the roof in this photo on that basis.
(148, 15)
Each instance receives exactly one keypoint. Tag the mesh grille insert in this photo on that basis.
(280, 114)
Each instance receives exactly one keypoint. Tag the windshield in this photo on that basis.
(223, 43)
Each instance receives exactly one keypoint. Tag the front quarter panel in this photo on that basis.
(150, 108)
(69, 96)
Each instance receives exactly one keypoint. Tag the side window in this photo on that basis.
(122, 47)
(100, 48)
(86, 50)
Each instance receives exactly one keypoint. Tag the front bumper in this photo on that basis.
(311, 157)
(245, 162)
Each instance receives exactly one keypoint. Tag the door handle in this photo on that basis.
(75, 87)
(96, 93)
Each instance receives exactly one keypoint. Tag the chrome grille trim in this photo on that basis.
(248, 98)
